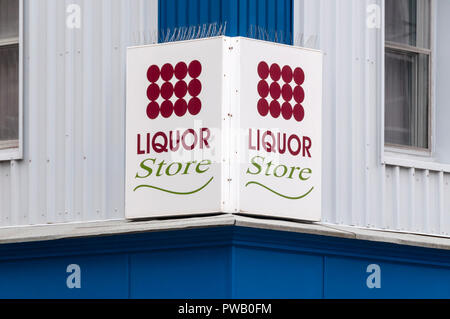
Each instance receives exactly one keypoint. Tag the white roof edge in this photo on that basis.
(23, 234)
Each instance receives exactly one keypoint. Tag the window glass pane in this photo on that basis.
(406, 112)
(9, 93)
(408, 22)
(424, 23)
(399, 68)
(9, 19)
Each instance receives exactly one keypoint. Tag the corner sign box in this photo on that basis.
(223, 125)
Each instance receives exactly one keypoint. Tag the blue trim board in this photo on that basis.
(259, 19)
(221, 262)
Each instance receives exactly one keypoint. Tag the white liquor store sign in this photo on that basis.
(223, 125)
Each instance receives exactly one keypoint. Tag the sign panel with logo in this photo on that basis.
(280, 113)
(175, 97)
(223, 125)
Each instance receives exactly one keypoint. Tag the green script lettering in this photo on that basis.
(203, 163)
(153, 167)
(258, 167)
(146, 168)
(179, 167)
(305, 171)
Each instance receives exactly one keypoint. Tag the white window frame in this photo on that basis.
(409, 158)
(393, 149)
(16, 150)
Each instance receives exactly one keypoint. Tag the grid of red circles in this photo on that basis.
(182, 90)
(292, 98)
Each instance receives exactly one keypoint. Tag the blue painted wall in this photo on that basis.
(248, 18)
(153, 274)
(224, 262)
(264, 273)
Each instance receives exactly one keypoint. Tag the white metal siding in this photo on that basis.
(358, 189)
(74, 108)
(74, 103)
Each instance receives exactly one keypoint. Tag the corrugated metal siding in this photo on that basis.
(73, 167)
(74, 109)
(247, 18)
(358, 189)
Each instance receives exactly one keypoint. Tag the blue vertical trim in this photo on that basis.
(235, 25)
(232, 271)
(230, 15)
(290, 23)
(323, 276)
(225, 12)
(161, 16)
(252, 14)
(243, 18)
(270, 16)
(214, 12)
(182, 16)
(169, 21)
(204, 11)
(280, 15)
(193, 12)
(129, 275)
(262, 14)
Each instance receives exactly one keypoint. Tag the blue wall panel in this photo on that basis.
(346, 278)
(222, 262)
(180, 274)
(101, 276)
(263, 19)
(262, 273)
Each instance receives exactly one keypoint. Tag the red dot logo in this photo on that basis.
(287, 111)
(299, 113)
(281, 92)
(263, 70)
(275, 91)
(180, 89)
(153, 110)
(287, 92)
(153, 73)
(174, 89)
(153, 92)
(299, 94)
(263, 89)
(263, 107)
(275, 109)
(166, 109)
(167, 72)
(275, 72)
(195, 69)
(287, 74)
(195, 88)
(167, 90)
(181, 70)
(299, 76)
(181, 107)
(194, 106)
